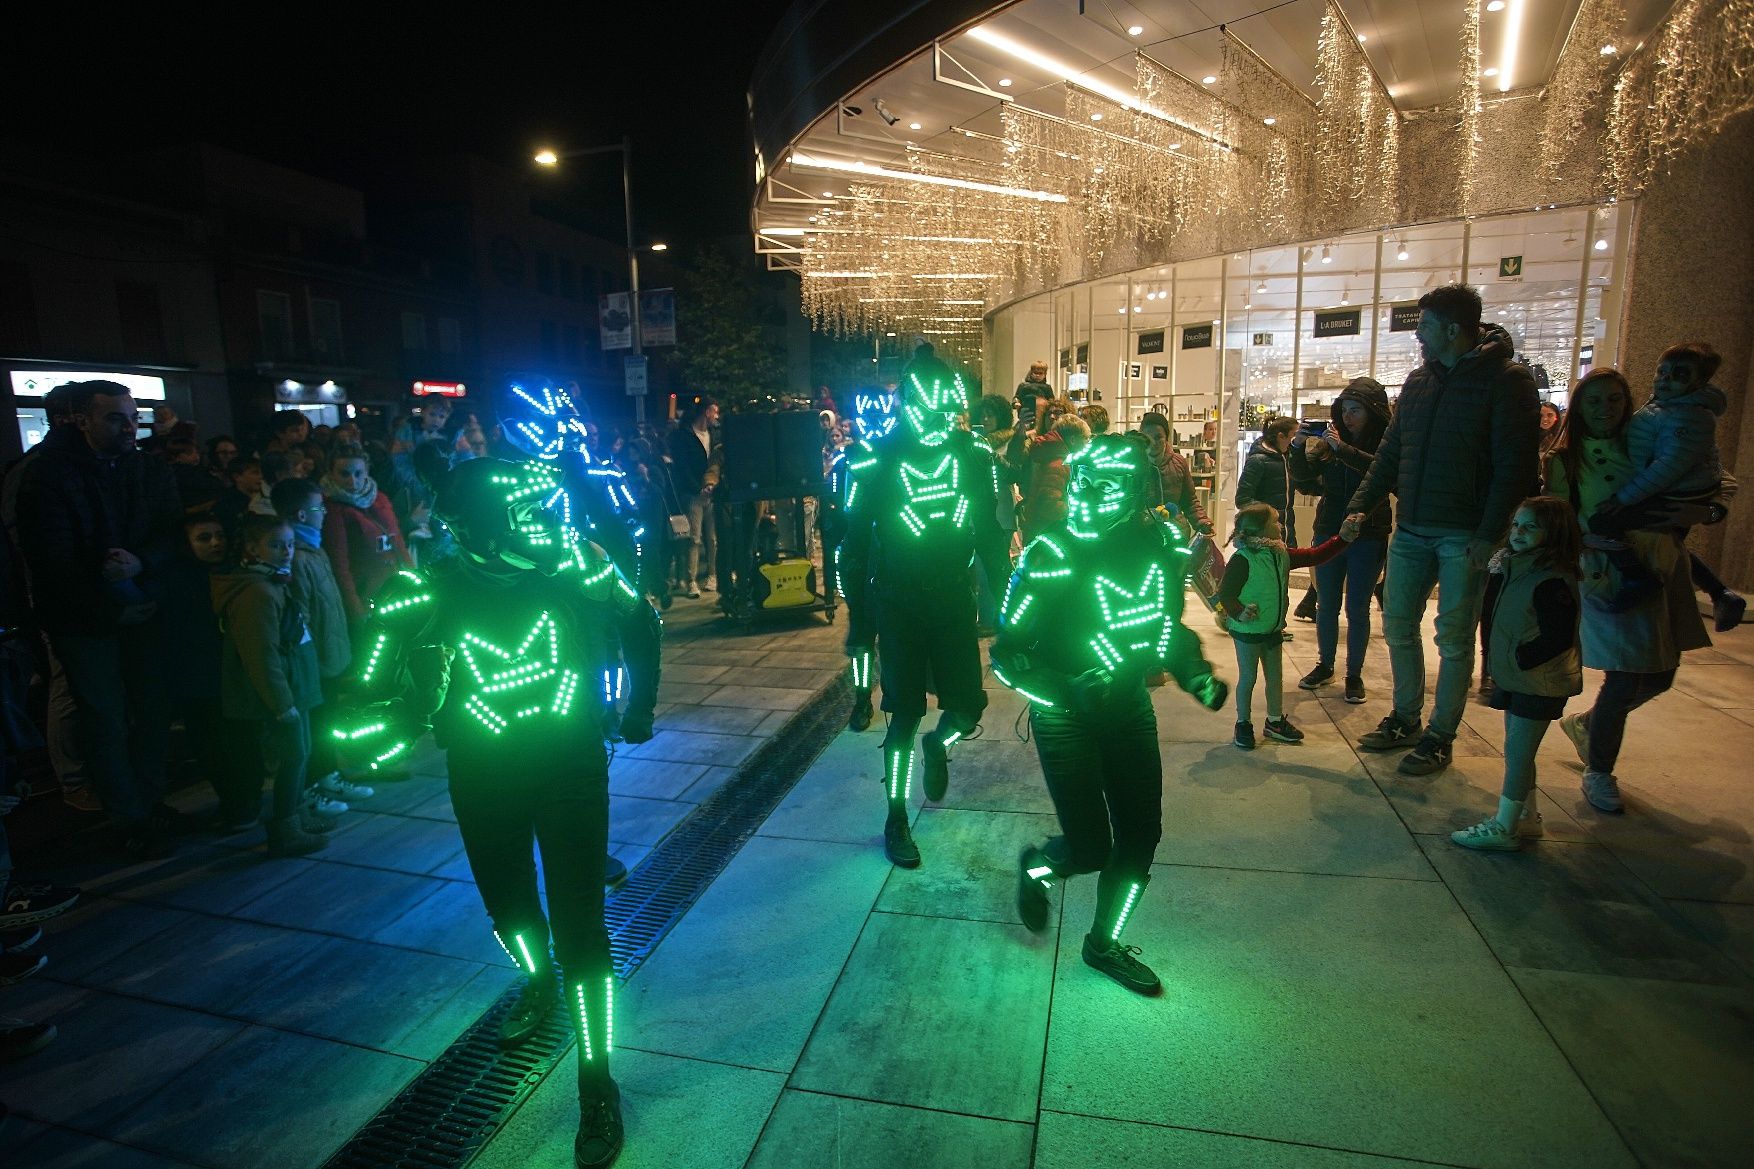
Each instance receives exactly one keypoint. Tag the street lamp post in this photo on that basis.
(625, 149)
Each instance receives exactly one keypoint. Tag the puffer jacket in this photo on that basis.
(270, 663)
(1346, 465)
(1673, 446)
(1460, 452)
(1268, 477)
(315, 589)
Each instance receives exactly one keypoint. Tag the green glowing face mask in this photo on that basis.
(1102, 489)
(931, 407)
(509, 512)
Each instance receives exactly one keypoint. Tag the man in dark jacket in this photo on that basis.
(1459, 455)
(96, 521)
(691, 466)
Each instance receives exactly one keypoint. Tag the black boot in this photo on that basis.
(935, 751)
(1116, 896)
(862, 714)
(530, 1011)
(1034, 878)
(898, 839)
(600, 1136)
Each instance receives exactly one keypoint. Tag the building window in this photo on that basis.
(274, 316)
(549, 330)
(414, 331)
(545, 273)
(567, 288)
(18, 309)
(450, 335)
(325, 328)
(588, 284)
(571, 335)
(142, 321)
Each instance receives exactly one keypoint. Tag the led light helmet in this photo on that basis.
(504, 513)
(874, 411)
(1105, 485)
(932, 397)
(543, 422)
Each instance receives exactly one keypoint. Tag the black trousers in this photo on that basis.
(510, 802)
(931, 647)
(1105, 774)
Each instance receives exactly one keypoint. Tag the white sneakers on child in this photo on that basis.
(334, 786)
(1491, 834)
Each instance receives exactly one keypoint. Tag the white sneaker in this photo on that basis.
(333, 785)
(325, 805)
(1529, 825)
(1602, 790)
(1489, 836)
(1579, 734)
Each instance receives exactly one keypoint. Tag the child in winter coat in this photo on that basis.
(1533, 657)
(1254, 596)
(360, 531)
(269, 670)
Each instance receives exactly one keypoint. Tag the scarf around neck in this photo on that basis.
(1258, 543)
(362, 499)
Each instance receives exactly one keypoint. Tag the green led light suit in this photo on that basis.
(1093, 609)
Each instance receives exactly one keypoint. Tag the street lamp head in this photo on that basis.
(660, 247)
(546, 158)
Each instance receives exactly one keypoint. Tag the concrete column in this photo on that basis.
(1692, 278)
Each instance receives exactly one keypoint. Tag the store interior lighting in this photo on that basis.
(1327, 254)
(1513, 31)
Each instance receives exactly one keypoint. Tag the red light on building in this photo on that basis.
(440, 389)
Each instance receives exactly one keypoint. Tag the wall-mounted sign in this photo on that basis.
(1510, 269)
(1135, 371)
(34, 383)
(1151, 342)
(1197, 336)
(440, 389)
(634, 372)
(1587, 354)
(1084, 354)
(1263, 338)
(1160, 373)
(1340, 322)
(1066, 358)
(296, 393)
(1403, 318)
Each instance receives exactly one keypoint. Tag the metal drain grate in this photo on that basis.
(451, 1110)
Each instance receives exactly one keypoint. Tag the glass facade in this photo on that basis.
(1220, 345)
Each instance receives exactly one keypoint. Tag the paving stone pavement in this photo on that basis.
(1344, 987)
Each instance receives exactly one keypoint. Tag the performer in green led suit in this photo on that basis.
(499, 650)
(912, 509)
(1093, 609)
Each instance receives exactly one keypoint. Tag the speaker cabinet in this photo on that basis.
(771, 456)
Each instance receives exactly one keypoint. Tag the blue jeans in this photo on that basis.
(1352, 574)
(1417, 566)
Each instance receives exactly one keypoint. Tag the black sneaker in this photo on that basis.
(1280, 730)
(1320, 676)
(935, 775)
(1245, 736)
(898, 843)
(26, 904)
(862, 712)
(535, 1000)
(600, 1130)
(1032, 889)
(1117, 961)
(1391, 734)
(17, 941)
(18, 1040)
(1355, 690)
(18, 967)
(1430, 756)
(1306, 608)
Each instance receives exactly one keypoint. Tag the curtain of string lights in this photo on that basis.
(1185, 170)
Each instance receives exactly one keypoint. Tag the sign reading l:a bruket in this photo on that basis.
(1337, 323)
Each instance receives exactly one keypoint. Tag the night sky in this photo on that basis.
(344, 95)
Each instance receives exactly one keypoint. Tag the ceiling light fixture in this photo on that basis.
(1361, 38)
(857, 167)
(1135, 30)
(1513, 32)
(1346, 296)
(1609, 50)
(1402, 254)
(1327, 254)
(1490, 71)
(1268, 121)
(1208, 79)
(913, 125)
(1096, 117)
(1004, 83)
(1495, 6)
(1601, 245)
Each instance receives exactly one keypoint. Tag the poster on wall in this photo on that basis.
(1135, 371)
(1084, 355)
(1151, 342)
(1403, 318)
(1066, 358)
(1342, 322)
(1197, 336)
(1160, 373)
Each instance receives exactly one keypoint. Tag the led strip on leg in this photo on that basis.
(527, 963)
(1133, 892)
(584, 1026)
(901, 773)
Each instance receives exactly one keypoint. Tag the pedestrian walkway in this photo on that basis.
(225, 1009)
(1342, 985)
